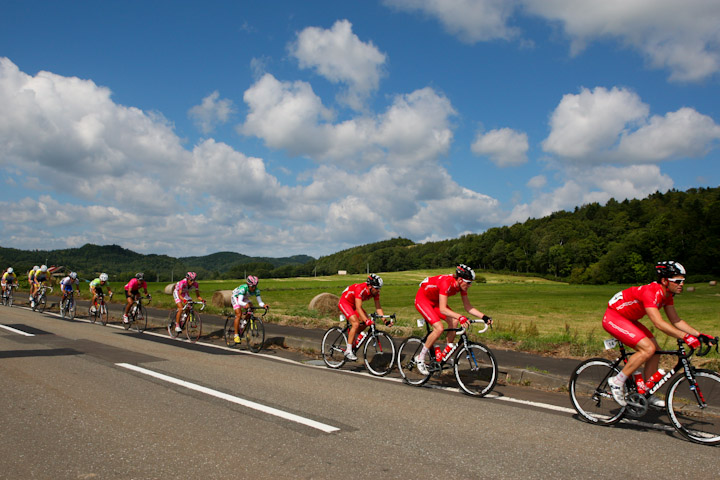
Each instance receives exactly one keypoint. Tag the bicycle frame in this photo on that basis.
(373, 329)
(433, 364)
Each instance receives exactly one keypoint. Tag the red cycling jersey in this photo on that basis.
(627, 307)
(348, 296)
(427, 299)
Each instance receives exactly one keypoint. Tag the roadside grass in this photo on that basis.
(530, 314)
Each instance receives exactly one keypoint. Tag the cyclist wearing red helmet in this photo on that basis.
(240, 300)
(431, 301)
(181, 294)
(350, 305)
(621, 320)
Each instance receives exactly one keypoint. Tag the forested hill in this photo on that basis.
(118, 262)
(617, 242)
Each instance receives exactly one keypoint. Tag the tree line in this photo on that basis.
(617, 242)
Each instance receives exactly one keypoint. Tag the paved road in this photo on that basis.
(85, 401)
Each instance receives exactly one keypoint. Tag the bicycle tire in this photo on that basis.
(590, 393)
(407, 367)
(9, 300)
(140, 321)
(700, 425)
(171, 324)
(333, 347)
(193, 327)
(4, 299)
(379, 353)
(63, 309)
(255, 334)
(103, 314)
(72, 309)
(476, 369)
(93, 316)
(229, 332)
(42, 303)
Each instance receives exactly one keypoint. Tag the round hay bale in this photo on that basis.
(221, 298)
(690, 289)
(326, 303)
(169, 289)
(713, 283)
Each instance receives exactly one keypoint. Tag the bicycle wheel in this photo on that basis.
(407, 367)
(63, 309)
(4, 299)
(103, 314)
(590, 393)
(255, 334)
(71, 309)
(476, 369)
(333, 347)
(93, 316)
(229, 332)
(171, 324)
(140, 322)
(193, 327)
(379, 353)
(9, 300)
(42, 303)
(696, 423)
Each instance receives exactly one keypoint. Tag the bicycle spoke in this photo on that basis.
(697, 420)
(476, 369)
(379, 352)
(407, 352)
(590, 393)
(333, 347)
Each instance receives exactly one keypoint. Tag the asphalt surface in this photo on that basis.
(516, 367)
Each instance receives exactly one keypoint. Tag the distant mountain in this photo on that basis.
(224, 261)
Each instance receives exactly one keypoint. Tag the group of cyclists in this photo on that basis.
(621, 319)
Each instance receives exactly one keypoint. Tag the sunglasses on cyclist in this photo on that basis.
(678, 281)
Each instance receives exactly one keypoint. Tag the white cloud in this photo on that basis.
(213, 111)
(505, 147)
(471, 20)
(613, 126)
(537, 182)
(681, 36)
(341, 57)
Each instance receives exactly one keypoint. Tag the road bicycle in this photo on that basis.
(7, 294)
(98, 310)
(190, 321)
(40, 301)
(67, 306)
(253, 331)
(692, 399)
(377, 346)
(474, 364)
(137, 316)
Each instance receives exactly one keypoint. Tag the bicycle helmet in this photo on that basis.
(465, 272)
(36, 267)
(252, 281)
(140, 276)
(103, 277)
(191, 276)
(73, 275)
(669, 269)
(374, 281)
(43, 268)
(10, 270)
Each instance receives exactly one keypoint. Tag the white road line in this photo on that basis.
(231, 398)
(15, 330)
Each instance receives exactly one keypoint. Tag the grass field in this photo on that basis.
(530, 313)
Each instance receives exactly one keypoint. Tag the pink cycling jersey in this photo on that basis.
(134, 285)
(183, 287)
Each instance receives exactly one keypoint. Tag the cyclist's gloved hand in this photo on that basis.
(487, 320)
(691, 340)
(706, 339)
(463, 321)
(369, 322)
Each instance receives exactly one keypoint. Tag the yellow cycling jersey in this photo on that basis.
(8, 277)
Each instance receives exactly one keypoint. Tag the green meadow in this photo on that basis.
(530, 313)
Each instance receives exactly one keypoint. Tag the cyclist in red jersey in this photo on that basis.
(351, 306)
(431, 301)
(621, 320)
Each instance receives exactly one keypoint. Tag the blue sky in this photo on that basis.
(281, 127)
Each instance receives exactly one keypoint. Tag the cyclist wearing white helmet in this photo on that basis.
(621, 320)
(181, 294)
(240, 301)
(8, 278)
(40, 276)
(66, 284)
(431, 301)
(132, 291)
(350, 305)
(31, 282)
(96, 289)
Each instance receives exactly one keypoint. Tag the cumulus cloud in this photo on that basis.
(471, 20)
(505, 147)
(340, 56)
(614, 126)
(679, 36)
(213, 111)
